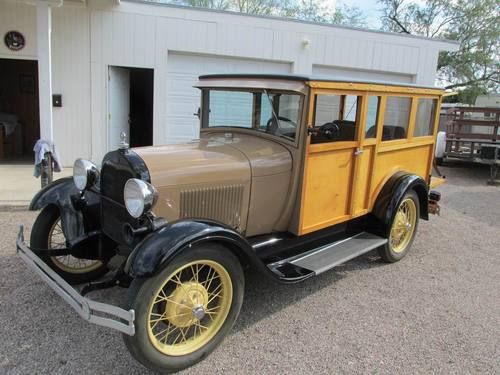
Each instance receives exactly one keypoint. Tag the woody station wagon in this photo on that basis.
(290, 177)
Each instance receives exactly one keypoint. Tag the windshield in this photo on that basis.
(272, 112)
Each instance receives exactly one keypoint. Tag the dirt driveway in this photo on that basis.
(437, 311)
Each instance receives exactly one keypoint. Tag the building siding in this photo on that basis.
(88, 38)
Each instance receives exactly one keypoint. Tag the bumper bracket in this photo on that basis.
(95, 312)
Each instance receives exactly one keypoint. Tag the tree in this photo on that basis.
(349, 16)
(307, 10)
(213, 4)
(475, 67)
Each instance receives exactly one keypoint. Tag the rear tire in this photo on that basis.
(403, 228)
(180, 301)
(46, 234)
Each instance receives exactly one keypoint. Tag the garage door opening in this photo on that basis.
(130, 98)
(183, 99)
(19, 110)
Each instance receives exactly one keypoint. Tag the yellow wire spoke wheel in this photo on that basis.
(189, 308)
(68, 263)
(403, 226)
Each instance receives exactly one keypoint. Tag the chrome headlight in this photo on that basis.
(85, 174)
(139, 197)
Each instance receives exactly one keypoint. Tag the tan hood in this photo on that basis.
(201, 179)
(212, 177)
(197, 162)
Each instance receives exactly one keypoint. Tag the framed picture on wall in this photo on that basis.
(27, 84)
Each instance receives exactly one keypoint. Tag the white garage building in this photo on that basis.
(111, 61)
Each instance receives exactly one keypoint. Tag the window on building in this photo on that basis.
(335, 118)
(396, 118)
(426, 114)
(371, 117)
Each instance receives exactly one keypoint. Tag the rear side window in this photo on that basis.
(426, 114)
(396, 118)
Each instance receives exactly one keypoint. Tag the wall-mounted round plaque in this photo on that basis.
(14, 40)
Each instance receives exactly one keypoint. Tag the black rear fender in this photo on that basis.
(157, 249)
(393, 192)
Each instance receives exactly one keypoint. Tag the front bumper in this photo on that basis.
(95, 312)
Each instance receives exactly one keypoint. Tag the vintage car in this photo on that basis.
(290, 177)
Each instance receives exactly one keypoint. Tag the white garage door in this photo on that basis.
(183, 100)
(360, 75)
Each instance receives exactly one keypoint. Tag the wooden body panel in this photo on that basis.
(343, 179)
(324, 206)
(363, 181)
(412, 159)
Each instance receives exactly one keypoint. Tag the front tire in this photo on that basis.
(184, 312)
(403, 229)
(47, 234)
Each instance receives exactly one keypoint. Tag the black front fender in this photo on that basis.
(55, 193)
(393, 192)
(160, 247)
(63, 194)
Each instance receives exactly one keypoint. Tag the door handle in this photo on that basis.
(358, 152)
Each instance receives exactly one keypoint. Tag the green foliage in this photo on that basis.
(213, 4)
(475, 67)
(349, 16)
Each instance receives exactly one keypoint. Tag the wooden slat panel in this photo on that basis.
(327, 189)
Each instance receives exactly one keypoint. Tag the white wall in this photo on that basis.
(70, 69)
(20, 17)
(87, 39)
(71, 78)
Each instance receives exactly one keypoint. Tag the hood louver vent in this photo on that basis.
(220, 203)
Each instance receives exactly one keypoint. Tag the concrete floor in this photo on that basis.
(18, 185)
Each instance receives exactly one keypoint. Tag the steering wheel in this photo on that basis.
(272, 125)
(330, 130)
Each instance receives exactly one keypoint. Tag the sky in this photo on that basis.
(369, 7)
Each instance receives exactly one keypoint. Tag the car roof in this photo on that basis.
(306, 79)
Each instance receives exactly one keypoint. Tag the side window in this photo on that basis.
(287, 109)
(396, 118)
(335, 118)
(426, 114)
(327, 109)
(371, 117)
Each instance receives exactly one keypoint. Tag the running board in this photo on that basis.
(328, 256)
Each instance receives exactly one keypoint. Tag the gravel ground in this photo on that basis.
(436, 311)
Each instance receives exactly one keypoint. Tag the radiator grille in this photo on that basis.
(220, 203)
